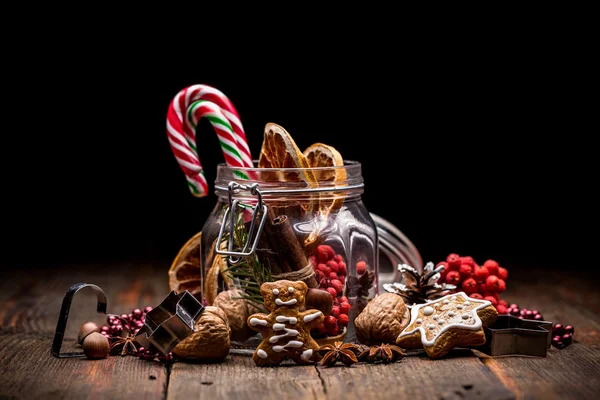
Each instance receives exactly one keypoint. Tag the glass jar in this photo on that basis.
(306, 224)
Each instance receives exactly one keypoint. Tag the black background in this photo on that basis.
(478, 159)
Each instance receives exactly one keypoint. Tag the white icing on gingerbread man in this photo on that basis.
(286, 330)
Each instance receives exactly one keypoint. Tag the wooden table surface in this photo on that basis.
(30, 300)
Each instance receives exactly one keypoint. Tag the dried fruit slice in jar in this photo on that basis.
(320, 155)
(280, 151)
(185, 271)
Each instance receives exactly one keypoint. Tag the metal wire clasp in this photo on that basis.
(234, 205)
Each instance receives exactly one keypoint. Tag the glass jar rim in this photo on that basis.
(276, 180)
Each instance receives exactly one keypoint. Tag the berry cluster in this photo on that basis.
(131, 323)
(562, 336)
(522, 313)
(479, 282)
(331, 271)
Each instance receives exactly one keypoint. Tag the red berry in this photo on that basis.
(337, 285)
(343, 299)
(469, 286)
(502, 303)
(361, 267)
(481, 274)
(502, 273)
(492, 294)
(492, 283)
(330, 321)
(453, 261)
(319, 275)
(492, 267)
(313, 260)
(320, 329)
(501, 309)
(345, 308)
(334, 330)
(483, 288)
(335, 311)
(342, 268)
(342, 278)
(332, 292)
(343, 319)
(333, 275)
(467, 260)
(501, 286)
(476, 296)
(325, 253)
(465, 271)
(335, 267)
(338, 258)
(491, 299)
(453, 277)
(442, 264)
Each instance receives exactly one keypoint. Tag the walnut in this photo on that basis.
(382, 320)
(210, 341)
(237, 311)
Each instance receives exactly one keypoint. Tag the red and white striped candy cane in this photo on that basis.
(186, 109)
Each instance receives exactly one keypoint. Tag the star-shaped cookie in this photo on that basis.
(454, 320)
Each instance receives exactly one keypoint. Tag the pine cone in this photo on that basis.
(416, 288)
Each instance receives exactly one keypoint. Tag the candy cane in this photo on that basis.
(186, 109)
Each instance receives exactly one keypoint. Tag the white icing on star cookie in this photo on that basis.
(424, 315)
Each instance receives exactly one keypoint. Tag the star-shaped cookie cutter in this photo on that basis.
(170, 322)
(509, 335)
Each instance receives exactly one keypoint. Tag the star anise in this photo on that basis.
(386, 353)
(339, 351)
(124, 345)
(418, 288)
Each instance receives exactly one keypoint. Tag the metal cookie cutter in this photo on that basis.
(61, 325)
(171, 321)
(510, 335)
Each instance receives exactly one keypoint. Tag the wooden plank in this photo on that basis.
(458, 375)
(30, 301)
(569, 373)
(237, 377)
(29, 371)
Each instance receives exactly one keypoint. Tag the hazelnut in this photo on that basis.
(96, 346)
(85, 330)
(382, 319)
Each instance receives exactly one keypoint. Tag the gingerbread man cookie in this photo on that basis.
(454, 320)
(286, 330)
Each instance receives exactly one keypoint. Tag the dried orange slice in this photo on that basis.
(322, 155)
(185, 271)
(280, 151)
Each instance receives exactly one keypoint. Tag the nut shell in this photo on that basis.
(210, 341)
(382, 320)
(96, 346)
(85, 330)
(237, 312)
